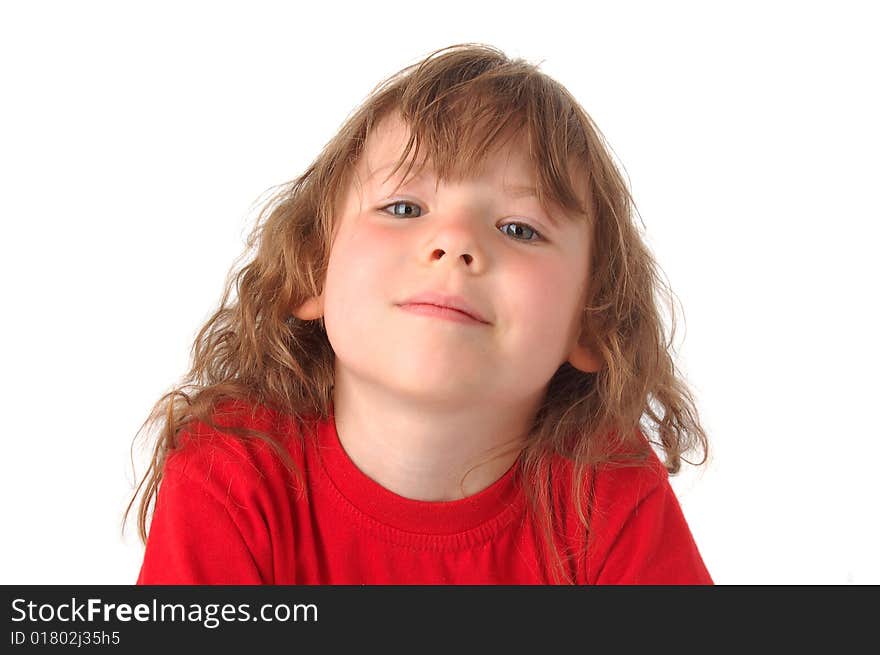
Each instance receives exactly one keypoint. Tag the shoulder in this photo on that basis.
(241, 450)
(618, 486)
(597, 502)
(615, 485)
(638, 533)
(225, 499)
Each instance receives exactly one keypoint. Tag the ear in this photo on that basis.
(584, 358)
(311, 309)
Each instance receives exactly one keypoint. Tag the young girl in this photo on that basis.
(440, 365)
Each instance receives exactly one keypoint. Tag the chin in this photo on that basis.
(450, 377)
(449, 380)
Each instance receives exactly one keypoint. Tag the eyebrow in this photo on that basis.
(384, 167)
(519, 191)
(514, 191)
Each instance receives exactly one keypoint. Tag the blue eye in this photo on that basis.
(412, 210)
(404, 208)
(519, 229)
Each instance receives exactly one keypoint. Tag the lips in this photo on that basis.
(443, 300)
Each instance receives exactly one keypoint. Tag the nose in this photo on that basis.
(456, 241)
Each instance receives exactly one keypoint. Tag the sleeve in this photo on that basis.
(642, 537)
(194, 538)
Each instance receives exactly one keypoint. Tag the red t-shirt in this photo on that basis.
(228, 512)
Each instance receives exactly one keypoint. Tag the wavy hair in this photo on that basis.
(457, 103)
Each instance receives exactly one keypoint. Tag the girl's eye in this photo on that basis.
(412, 210)
(519, 229)
(404, 208)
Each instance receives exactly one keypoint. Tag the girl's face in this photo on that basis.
(484, 240)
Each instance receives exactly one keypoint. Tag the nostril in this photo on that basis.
(442, 253)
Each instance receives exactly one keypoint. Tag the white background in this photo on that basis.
(137, 139)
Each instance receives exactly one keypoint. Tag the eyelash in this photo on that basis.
(538, 235)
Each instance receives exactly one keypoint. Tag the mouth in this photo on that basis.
(441, 312)
(441, 305)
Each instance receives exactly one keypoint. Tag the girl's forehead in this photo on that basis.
(386, 143)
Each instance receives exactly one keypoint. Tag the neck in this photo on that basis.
(429, 450)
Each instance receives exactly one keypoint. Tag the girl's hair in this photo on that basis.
(457, 103)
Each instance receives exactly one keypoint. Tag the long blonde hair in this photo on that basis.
(457, 103)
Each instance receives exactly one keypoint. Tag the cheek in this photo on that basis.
(542, 302)
(360, 261)
(544, 291)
